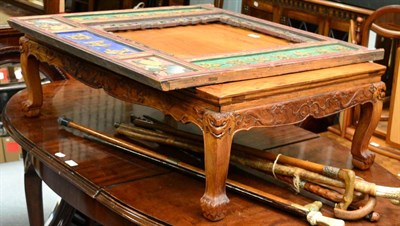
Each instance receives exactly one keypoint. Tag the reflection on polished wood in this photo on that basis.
(115, 188)
(222, 110)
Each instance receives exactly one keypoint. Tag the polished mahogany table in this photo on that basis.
(118, 188)
(244, 73)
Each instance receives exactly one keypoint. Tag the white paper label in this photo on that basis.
(59, 154)
(374, 144)
(71, 163)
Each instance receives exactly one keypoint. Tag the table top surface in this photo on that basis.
(188, 46)
(229, 93)
(147, 191)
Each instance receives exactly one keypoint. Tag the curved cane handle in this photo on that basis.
(356, 214)
(349, 177)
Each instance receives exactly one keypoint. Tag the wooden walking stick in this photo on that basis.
(391, 193)
(325, 195)
(309, 212)
(137, 134)
(345, 175)
(241, 158)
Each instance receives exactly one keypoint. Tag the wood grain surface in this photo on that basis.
(201, 40)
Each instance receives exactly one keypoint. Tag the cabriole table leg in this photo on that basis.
(217, 132)
(30, 72)
(369, 118)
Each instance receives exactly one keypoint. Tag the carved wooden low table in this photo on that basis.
(222, 71)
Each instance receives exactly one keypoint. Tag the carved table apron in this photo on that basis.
(222, 110)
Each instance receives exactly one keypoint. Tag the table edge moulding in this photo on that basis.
(198, 97)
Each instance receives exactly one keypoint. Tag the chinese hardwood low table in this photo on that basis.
(222, 71)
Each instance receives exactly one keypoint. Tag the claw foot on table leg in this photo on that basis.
(214, 208)
(28, 110)
(365, 162)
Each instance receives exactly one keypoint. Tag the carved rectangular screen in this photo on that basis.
(179, 47)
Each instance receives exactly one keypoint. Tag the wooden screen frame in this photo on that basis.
(100, 24)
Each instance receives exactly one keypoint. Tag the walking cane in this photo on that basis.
(310, 213)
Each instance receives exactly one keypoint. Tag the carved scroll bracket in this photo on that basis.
(318, 106)
(115, 85)
(40, 52)
(88, 74)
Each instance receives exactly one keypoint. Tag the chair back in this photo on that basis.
(385, 22)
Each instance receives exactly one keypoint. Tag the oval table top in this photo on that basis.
(116, 188)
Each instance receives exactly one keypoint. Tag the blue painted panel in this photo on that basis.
(98, 43)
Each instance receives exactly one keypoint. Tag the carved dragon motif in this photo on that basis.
(215, 123)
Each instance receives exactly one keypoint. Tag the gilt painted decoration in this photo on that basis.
(49, 24)
(158, 66)
(273, 56)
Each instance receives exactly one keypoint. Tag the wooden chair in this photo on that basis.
(385, 22)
